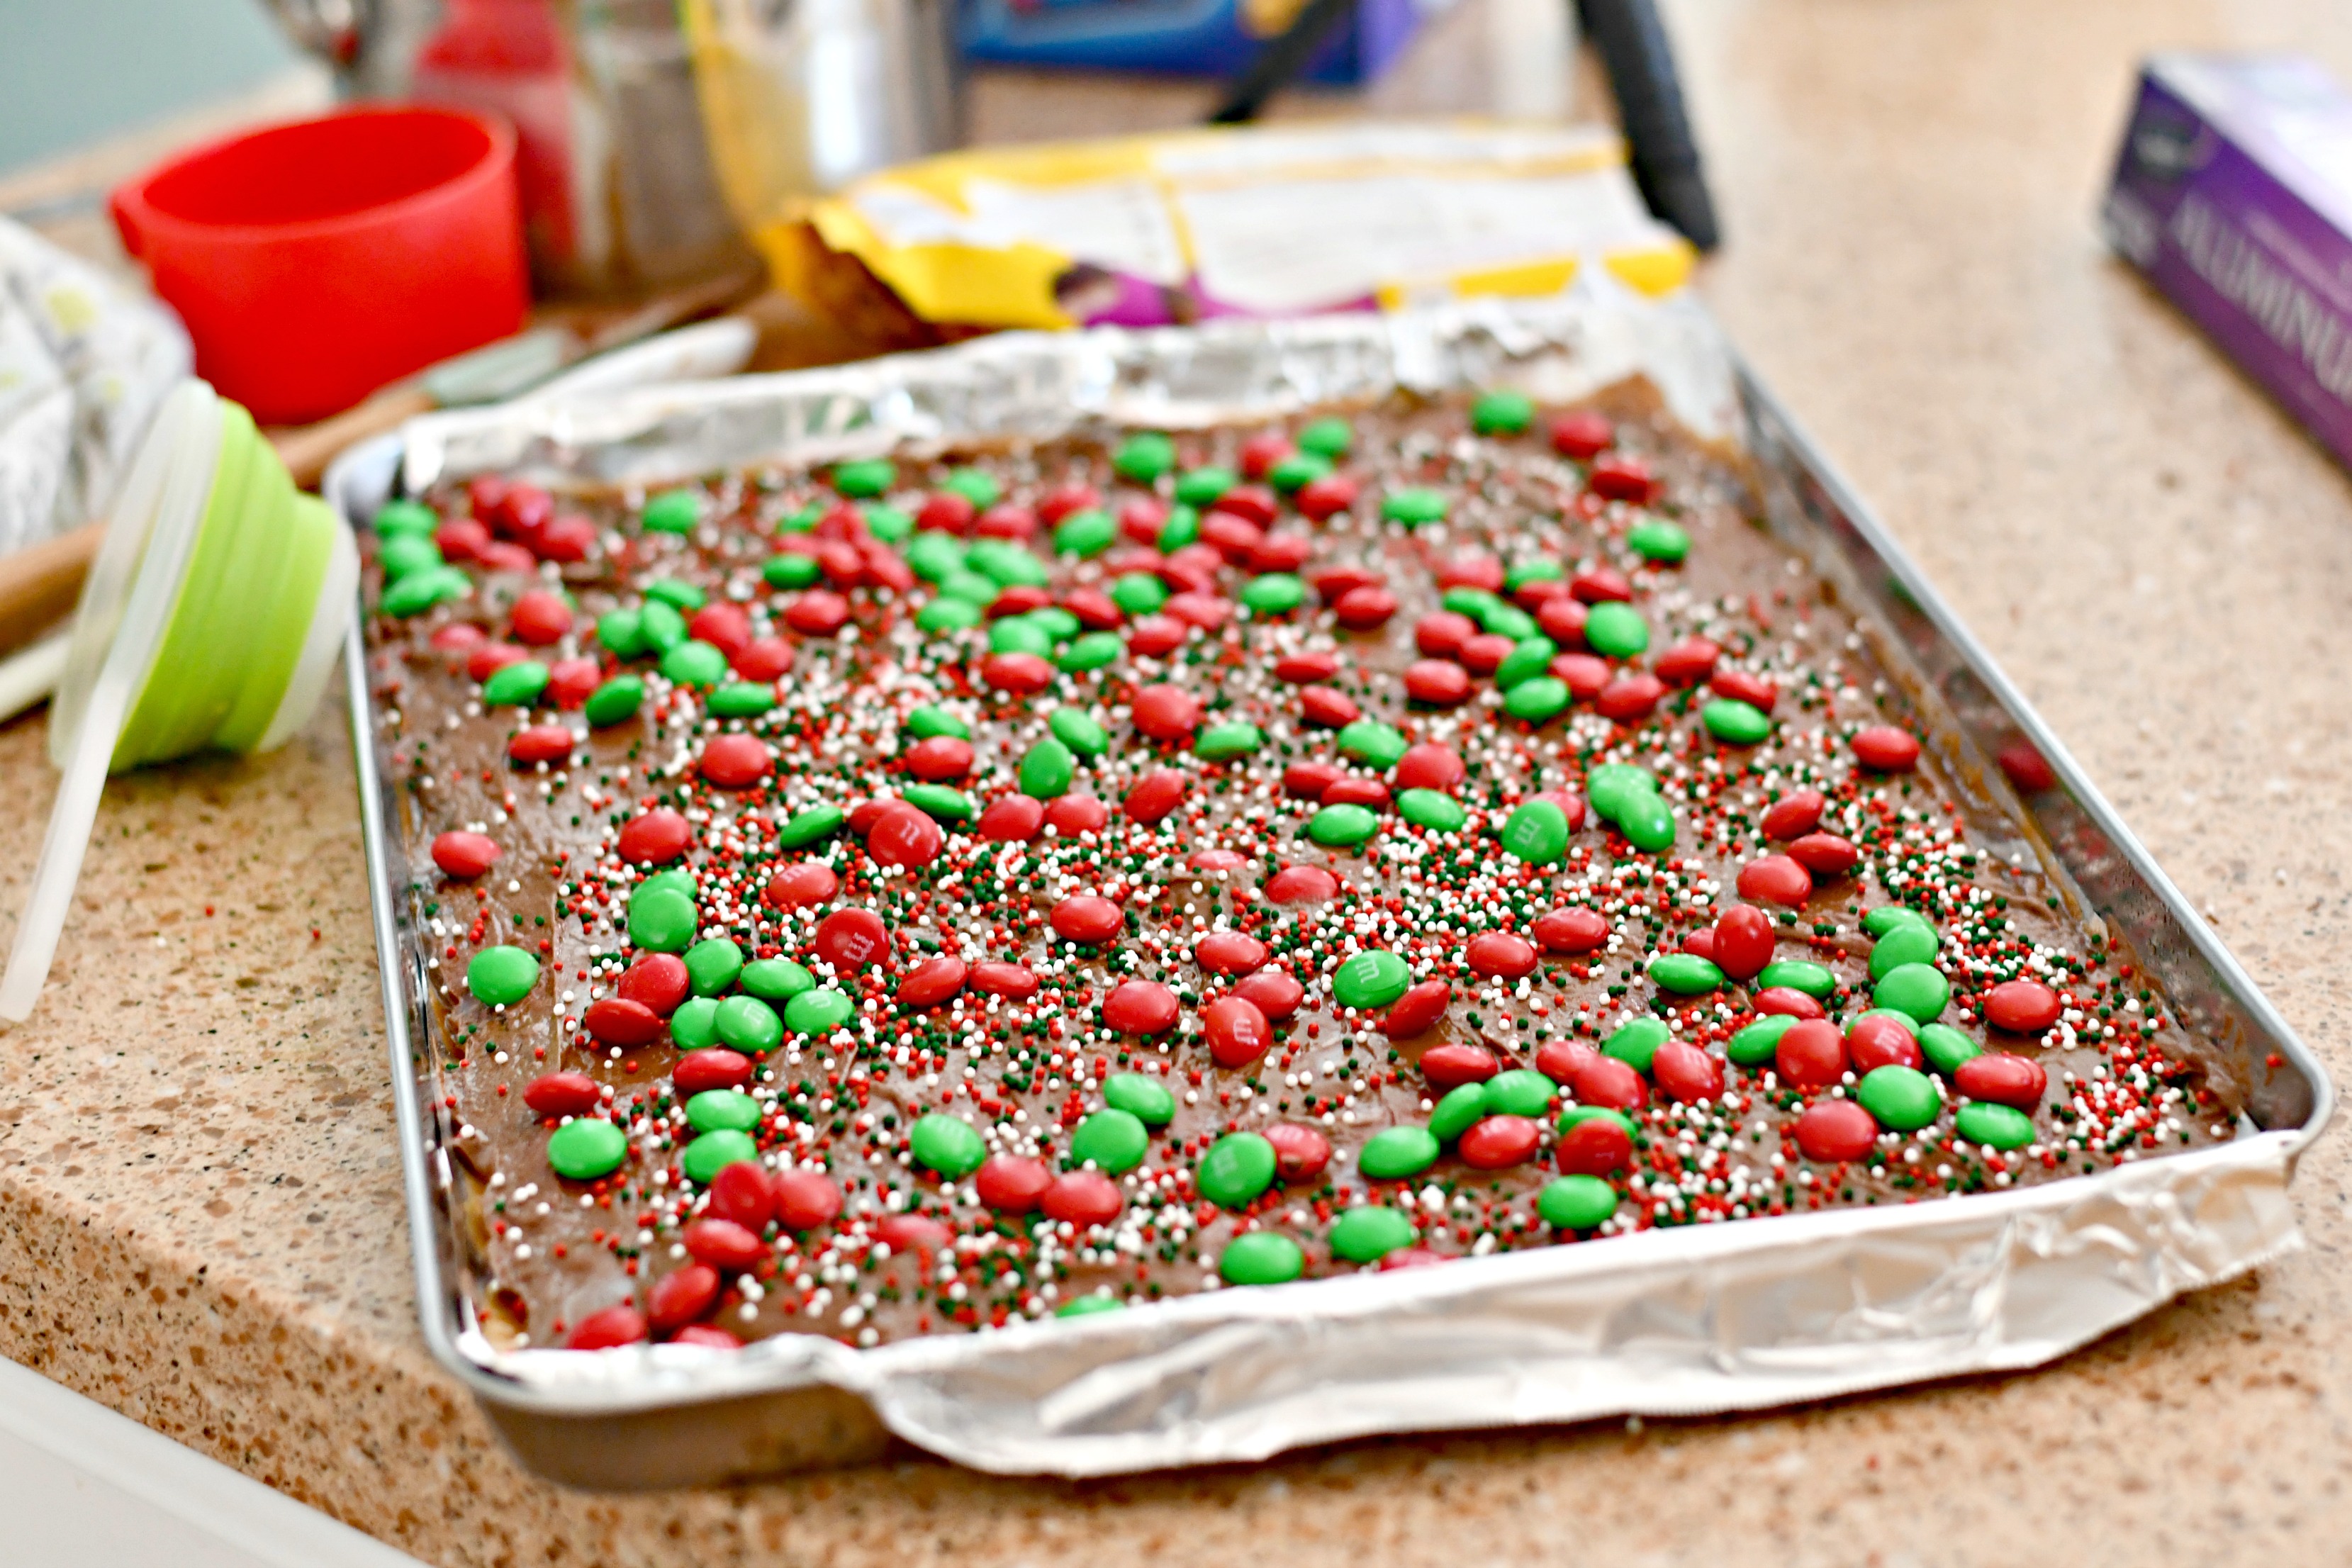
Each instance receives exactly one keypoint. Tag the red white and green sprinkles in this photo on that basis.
(941, 895)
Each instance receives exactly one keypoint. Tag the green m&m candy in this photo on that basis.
(1326, 438)
(888, 523)
(517, 685)
(679, 594)
(946, 1144)
(1395, 1152)
(1089, 1306)
(1685, 973)
(1372, 743)
(1736, 723)
(1086, 532)
(1373, 978)
(661, 919)
(1917, 989)
(931, 720)
(694, 663)
(1908, 942)
(1139, 592)
(1019, 634)
(748, 1024)
(1994, 1126)
(617, 700)
(1145, 1099)
(810, 826)
(1616, 629)
(940, 801)
(722, 1110)
(712, 966)
(420, 590)
(1295, 472)
(1576, 1203)
(402, 554)
(1635, 1043)
(1046, 769)
(501, 976)
(714, 1152)
(660, 628)
(1519, 1092)
(1798, 974)
(1886, 917)
(1261, 1258)
(1236, 1169)
(621, 632)
(1523, 662)
(1079, 730)
(818, 1012)
(1614, 786)
(742, 699)
(1219, 742)
(406, 520)
(1370, 1233)
(1502, 413)
(1536, 700)
(695, 1023)
(1536, 833)
(1114, 1140)
(1458, 1109)
(1092, 651)
(977, 486)
(1144, 457)
(1757, 1043)
(1203, 486)
(1414, 506)
(1342, 827)
(1945, 1047)
(1658, 541)
(1648, 822)
(1273, 594)
(865, 478)
(776, 979)
(790, 568)
(1433, 809)
(932, 556)
(1903, 1099)
(672, 511)
(583, 1150)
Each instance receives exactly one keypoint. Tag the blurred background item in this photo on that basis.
(314, 262)
(2233, 194)
(1189, 37)
(647, 129)
(1262, 222)
(83, 363)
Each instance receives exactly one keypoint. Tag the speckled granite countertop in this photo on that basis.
(200, 1219)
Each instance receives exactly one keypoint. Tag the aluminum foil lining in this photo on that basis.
(1042, 386)
(1742, 1315)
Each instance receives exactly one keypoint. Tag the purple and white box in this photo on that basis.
(2233, 193)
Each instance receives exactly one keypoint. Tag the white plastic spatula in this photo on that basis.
(210, 620)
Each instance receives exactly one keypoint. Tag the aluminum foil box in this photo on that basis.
(2234, 195)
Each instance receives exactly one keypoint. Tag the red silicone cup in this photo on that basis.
(314, 262)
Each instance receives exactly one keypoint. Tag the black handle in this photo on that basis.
(1282, 58)
(1632, 43)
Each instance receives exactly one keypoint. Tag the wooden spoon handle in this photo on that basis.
(307, 451)
(38, 585)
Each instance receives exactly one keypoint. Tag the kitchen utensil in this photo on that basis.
(316, 262)
(210, 620)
